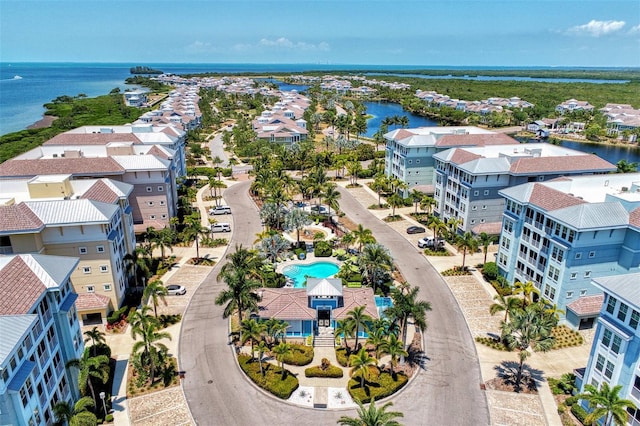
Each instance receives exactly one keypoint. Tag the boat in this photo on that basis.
(17, 77)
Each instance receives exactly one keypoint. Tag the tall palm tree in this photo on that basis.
(506, 304)
(137, 264)
(606, 403)
(363, 236)
(296, 219)
(345, 328)
(372, 416)
(416, 196)
(394, 347)
(361, 363)
(90, 368)
(377, 337)
(466, 242)
(240, 293)
(331, 196)
(193, 230)
(163, 239)
(273, 246)
(281, 351)
(262, 348)
(251, 330)
(77, 414)
(395, 200)
(426, 203)
(149, 343)
(375, 262)
(359, 319)
(96, 337)
(155, 290)
(528, 289)
(380, 184)
(242, 259)
(485, 240)
(214, 186)
(407, 306)
(527, 331)
(437, 226)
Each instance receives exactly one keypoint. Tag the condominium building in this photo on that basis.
(283, 123)
(89, 219)
(468, 180)
(40, 334)
(563, 234)
(615, 352)
(409, 152)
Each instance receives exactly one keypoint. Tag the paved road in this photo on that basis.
(447, 393)
(216, 147)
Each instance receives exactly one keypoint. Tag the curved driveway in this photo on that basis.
(447, 393)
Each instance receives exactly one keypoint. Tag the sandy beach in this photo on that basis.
(45, 121)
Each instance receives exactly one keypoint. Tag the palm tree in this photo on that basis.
(407, 306)
(273, 246)
(380, 184)
(137, 264)
(76, 415)
(436, 225)
(527, 289)
(466, 242)
(251, 330)
(426, 203)
(89, 368)
(281, 351)
(155, 290)
(193, 230)
(96, 337)
(527, 332)
(376, 337)
(606, 402)
(359, 319)
(416, 196)
(345, 328)
(215, 185)
(240, 294)
(244, 260)
(485, 240)
(372, 416)
(506, 304)
(331, 196)
(395, 200)
(262, 348)
(395, 349)
(363, 236)
(623, 166)
(163, 239)
(361, 363)
(375, 262)
(296, 219)
(149, 344)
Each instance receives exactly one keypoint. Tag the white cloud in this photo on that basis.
(200, 47)
(635, 30)
(597, 28)
(285, 43)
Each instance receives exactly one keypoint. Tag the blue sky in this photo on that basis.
(427, 33)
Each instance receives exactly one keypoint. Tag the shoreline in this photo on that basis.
(45, 121)
(607, 142)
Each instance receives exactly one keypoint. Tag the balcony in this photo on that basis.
(4, 250)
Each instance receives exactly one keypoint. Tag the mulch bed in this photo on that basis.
(528, 385)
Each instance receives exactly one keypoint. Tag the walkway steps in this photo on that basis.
(321, 397)
(324, 341)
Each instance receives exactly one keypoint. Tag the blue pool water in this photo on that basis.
(299, 273)
(383, 302)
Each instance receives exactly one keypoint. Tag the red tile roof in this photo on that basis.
(18, 217)
(92, 301)
(634, 217)
(587, 305)
(574, 163)
(461, 156)
(92, 138)
(20, 288)
(550, 199)
(475, 140)
(51, 166)
(155, 150)
(403, 134)
(354, 297)
(492, 228)
(285, 304)
(100, 191)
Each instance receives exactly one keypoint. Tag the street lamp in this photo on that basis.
(104, 405)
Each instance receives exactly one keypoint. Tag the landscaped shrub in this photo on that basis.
(579, 412)
(330, 371)
(455, 271)
(439, 252)
(490, 271)
(571, 401)
(167, 320)
(565, 337)
(492, 343)
(379, 385)
(322, 249)
(341, 356)
(272, 380)
(300, 355)
(118, 315)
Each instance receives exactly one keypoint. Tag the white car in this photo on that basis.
(220, 210)
(176, 290)
(221, 227)
(430, 243)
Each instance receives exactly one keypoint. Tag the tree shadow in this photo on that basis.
(417, 358)
(508, 372)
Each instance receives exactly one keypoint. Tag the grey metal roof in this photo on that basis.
(72, 211)
(59, 268)
(324, 287)
(486, 166)
(141, 162)
(14, 328)
(625, 287)
(520, 193)
(593, 215)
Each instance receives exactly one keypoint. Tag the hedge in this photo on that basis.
(579, 412)
(380, 385)
(300, 355)
(272, 380)
(341, 356)
(331, 371)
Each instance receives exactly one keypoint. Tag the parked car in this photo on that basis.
(220, 210)
(415, 230)
(431, 243)
(176, 290)
(221, 227)
(319, 209)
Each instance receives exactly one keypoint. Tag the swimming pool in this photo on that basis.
(299, 273)
(382, 303)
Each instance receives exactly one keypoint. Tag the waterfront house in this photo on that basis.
(323, 302)
(573, 105)
(40, 334)
(563, 234)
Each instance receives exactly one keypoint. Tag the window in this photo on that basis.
(163, 216)
(583, 293)
(153, 216)
(476, 193)
(635, 318)
(578, 255)
(150, 203)
(91, 289)
(608, 372)
(104, 268)
(592, 254)
(149, 189)
(162, 203)
(106, 287)
(574, 275)
(622, 312)
(606, 337)
(82, 250)
(569, 294)
(617, 342)
(484, 207)
(611, 304)
(474, 208)
(86, 269)
(587, 274)
(100, 249)
(160, 188)
(417, 162)
(486, 192)
(600, 363)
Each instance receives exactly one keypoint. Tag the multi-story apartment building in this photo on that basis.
(89, 219)
(40, 333)
(615, 352)
(562, 234)
(468, 180)
(409, 152)
(283, 123)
